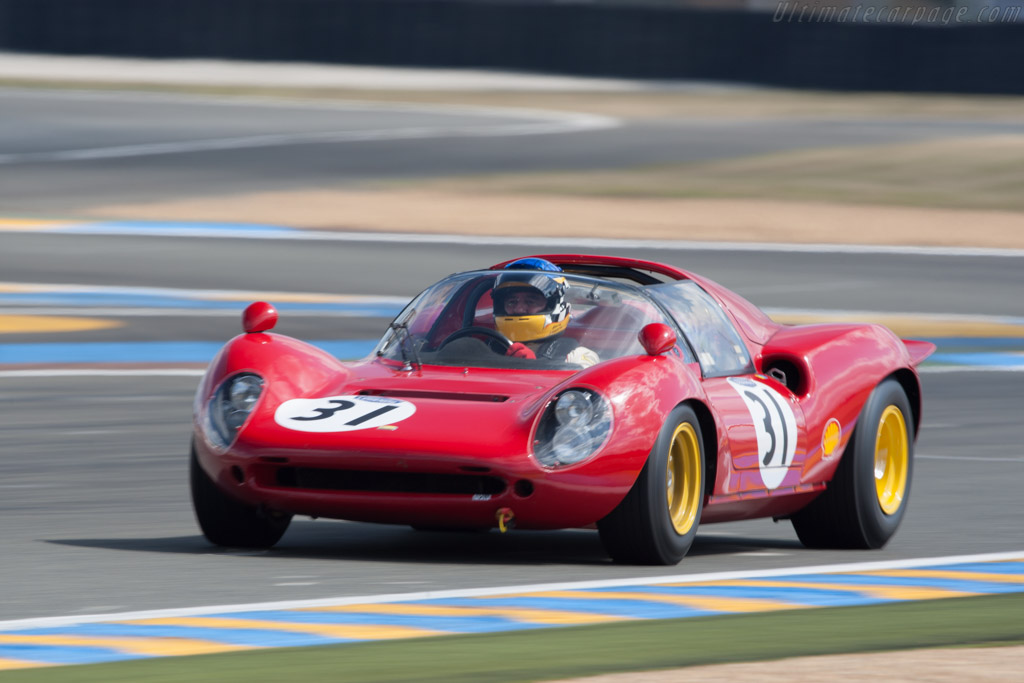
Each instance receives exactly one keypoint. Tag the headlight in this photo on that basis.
(231, 405)
(572, 428)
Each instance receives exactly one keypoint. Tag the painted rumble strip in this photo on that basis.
(54, 308)
(112, 637)
(152, 352)
(92, 300)
(965, 342)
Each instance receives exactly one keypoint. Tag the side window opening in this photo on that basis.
(720, 349)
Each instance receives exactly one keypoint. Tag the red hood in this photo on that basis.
(469, 412)
(453, 383)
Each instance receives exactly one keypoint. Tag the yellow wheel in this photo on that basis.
(682, 476)
(657, 520)
(867, 497)
(892, 455)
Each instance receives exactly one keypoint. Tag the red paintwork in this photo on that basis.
(259, 317)
(481, 421)
(657, 338)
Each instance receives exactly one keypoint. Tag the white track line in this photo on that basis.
(942, 369)
(175, 312)
(98, 372)
(540, 122)
(10, 288)
(283, 139)
(774, 311)
(966, 458)
(573, 244)
(46, 622)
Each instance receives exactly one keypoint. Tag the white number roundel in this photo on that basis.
(774, 425)
(341, 413)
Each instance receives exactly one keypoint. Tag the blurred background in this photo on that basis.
(831, 44)
(854, 105)
(165, 162)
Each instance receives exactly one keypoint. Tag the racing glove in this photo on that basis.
(581, 355)
(520, 350)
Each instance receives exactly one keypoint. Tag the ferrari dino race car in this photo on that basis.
(565, 391)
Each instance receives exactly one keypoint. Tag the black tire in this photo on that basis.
(641, 530)
(860, 509)
(229, 522)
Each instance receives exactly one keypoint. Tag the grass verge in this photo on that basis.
(547, 654)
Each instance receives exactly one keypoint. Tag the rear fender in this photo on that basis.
(918, 350)
(837, 366)
(847, 357)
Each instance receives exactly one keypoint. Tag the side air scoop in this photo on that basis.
(259, 317)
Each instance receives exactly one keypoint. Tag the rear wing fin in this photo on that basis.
(918, 350)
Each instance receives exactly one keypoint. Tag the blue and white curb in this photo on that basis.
(150, 352)
(113, 637)
(1002, 352)
(91, 300)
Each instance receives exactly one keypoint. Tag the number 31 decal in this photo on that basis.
(775, 426)
(341, 413)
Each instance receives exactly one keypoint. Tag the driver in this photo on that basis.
(530, 309)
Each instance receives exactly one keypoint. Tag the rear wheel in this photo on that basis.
(229, 522)
(657, 520)
(865, 502)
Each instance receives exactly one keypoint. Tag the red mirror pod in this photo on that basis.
(657, 338)
(259, 317)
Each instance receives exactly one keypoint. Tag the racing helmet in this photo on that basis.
(547, 322)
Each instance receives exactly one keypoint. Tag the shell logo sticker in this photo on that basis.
(775, 426)
(342, 413)
(830, 438)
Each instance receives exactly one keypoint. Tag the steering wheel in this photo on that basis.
(494, 337)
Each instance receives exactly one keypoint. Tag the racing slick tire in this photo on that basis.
(657, 520)
(866, 499)
(228, 522)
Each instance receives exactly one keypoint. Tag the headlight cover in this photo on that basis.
(231, 406)
(574, 426)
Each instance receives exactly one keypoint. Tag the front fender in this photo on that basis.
(642, 390)
(290, 368)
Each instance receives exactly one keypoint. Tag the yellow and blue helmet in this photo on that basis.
(551, 320)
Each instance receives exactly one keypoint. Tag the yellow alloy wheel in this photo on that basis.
(683, 478)
(892, 460)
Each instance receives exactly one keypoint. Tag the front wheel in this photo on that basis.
(866, 499)
(657, 520)
(229, 522)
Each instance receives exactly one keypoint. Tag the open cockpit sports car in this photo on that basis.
(565, 391)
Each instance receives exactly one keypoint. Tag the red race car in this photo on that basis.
(565, 391)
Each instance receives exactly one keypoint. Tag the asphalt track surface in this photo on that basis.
(93, 470)
(60, 150)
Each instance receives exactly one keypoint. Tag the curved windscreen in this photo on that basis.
(453, 323)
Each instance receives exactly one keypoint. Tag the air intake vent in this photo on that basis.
(440, 395)
(387, 482)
